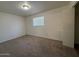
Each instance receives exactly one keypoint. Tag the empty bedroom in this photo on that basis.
(39, 29)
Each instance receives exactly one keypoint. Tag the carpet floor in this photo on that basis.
(32, 46)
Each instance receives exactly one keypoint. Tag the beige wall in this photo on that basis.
(59, 25)
(11, 26)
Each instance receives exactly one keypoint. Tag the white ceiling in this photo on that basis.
(37, 6)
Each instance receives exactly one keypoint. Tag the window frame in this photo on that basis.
(39, 25)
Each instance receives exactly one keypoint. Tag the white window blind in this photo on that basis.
(38, 21)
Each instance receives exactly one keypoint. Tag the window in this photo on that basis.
(38, 21)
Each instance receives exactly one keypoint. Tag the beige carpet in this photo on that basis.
(32, 46)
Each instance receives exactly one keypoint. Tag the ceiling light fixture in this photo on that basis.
(24, 5)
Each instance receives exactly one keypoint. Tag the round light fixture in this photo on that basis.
(24, 5)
